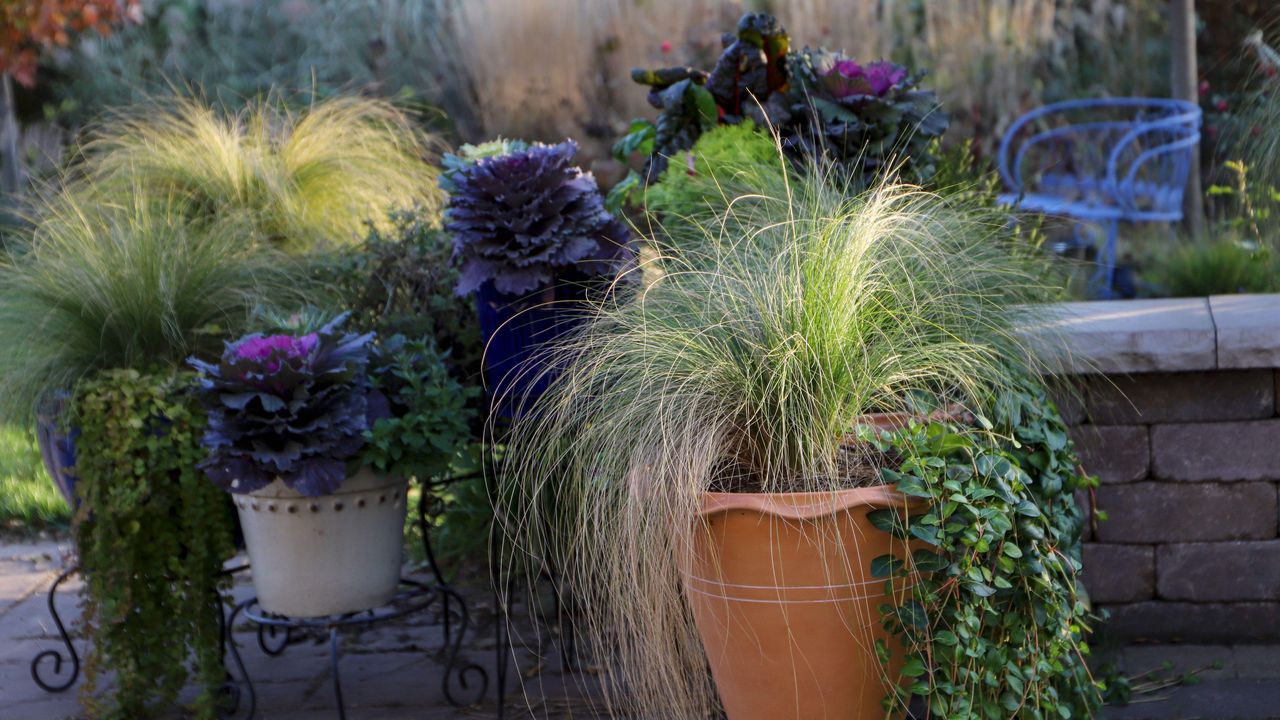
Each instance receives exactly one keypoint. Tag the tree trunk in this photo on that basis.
(10, 172)
(1182, 22)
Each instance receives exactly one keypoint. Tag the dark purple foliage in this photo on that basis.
(521, 218)
(288, 407)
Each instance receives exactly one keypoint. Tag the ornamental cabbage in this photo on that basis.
(289, 407)
(522, 218)
(863, 117)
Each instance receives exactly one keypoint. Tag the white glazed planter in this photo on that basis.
(327, 555)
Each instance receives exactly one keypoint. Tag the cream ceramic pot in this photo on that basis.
(326, 555)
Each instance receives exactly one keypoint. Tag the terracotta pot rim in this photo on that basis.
(809, 505)
(803, 505)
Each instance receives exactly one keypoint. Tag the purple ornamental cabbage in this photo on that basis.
(863, 116)
(288, 407)
(520, 219)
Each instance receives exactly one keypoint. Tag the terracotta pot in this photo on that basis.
(782, 594)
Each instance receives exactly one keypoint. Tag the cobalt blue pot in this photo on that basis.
(516, 331)
(57, 445)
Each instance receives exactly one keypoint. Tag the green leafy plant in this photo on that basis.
(400, 281)
(750, 363)
(429, 422)
(726, 163)
(1223, 266)
(96, 286)
(993, 623)
(152, 534)
(297, 179)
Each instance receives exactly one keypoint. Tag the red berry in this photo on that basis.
(1204, 87)
(666, 46)
(1220, 105)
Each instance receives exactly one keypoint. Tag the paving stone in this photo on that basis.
(1158, 512)
(1150, 398)
(1130, 336)
(1115, 453)
(1181, 659)
(1248, 334)
(1216, 451)
(1246, 622)
(1224, 699)
(17, 583)
(1119, 573)
(1257, 662)
(1224, 572)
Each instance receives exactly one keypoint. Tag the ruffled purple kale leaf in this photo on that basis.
(863, 116)
(288, 407)
(519, 219)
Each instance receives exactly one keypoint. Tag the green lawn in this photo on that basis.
(28, 499)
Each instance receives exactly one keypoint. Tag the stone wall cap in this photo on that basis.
(1129, 336)
(1248, 330)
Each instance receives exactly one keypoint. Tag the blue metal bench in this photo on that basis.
(1102, 162)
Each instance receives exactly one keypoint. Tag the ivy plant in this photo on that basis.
(993, 623)
(152, 534)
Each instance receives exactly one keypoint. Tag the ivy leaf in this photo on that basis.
(885, 566)
(913, 667)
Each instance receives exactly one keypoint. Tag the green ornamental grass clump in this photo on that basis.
(297, 178)
(758, 355)
(98, 286)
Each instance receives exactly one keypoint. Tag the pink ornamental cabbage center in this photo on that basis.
(273, 350)
(874, 79)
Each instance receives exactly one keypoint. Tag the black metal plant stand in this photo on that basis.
(71, 658)
(460, 675)
(464, 682)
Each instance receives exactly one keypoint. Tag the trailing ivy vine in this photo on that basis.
(994, 623)
(152, 533)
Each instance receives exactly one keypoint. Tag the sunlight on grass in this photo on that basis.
(28, 498)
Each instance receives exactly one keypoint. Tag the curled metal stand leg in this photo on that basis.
(71, 657)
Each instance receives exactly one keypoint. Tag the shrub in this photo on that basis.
(400, 281)
(818, 307)
(297, 179)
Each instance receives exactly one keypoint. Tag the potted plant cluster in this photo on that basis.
(863, 119)
(531, 234)
(317, 435)
(748, 463)
(179, 226)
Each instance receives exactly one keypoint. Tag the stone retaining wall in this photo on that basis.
(1178, 417)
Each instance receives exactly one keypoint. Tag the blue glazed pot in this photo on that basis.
(57, 446)
(516, 331)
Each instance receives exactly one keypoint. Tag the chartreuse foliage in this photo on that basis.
(993, 624)
(152, 534)
(724, 164)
